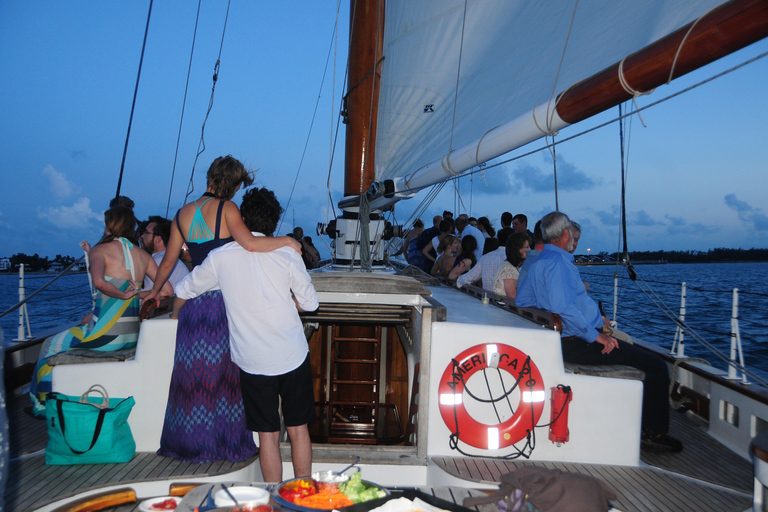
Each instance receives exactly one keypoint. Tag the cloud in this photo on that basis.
(675, 221)
(609, 218)
(79, 215)
(761, 221)
(736, 205)
(698, 229)
(747, 213)
(493, 182)
(641, 218)
(569, 178)
(58, 183)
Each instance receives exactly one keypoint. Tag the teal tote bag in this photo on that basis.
(88, 430)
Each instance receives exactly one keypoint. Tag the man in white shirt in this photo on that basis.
(153, 239)
(264, 293)
(485, 269)
(466, 229)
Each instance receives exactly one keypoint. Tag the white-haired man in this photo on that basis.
(554, 284)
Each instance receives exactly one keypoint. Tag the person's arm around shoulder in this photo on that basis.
(245, 238)
(151, 270)
(304, 294)
(470, 277)
(172, 251)
(460, 269)
(202, 279)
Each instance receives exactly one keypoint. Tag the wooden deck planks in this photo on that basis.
(33, 484)
(705, 476)
(456, 495)
(639, 489)
(702, 457)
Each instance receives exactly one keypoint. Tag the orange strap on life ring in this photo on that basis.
(524, 418)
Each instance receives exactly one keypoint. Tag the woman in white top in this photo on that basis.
(505, 280)
(445, 227)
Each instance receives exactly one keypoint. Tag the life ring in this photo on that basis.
(471, 361)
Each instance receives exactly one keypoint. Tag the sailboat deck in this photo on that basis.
(706, 476)
(33, 484)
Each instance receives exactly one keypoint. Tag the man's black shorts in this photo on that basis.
(262, 393)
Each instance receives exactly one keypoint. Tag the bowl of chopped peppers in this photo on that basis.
(309, 495)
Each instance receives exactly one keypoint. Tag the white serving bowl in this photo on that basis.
(250, 496)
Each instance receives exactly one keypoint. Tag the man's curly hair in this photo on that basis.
(260, 210)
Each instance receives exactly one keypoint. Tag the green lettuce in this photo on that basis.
(358, 491)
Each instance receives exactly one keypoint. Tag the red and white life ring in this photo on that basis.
(471, 361)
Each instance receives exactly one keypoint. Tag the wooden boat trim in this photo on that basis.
(722, 31)
(100, 501)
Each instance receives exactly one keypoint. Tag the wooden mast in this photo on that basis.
(365, 49)
(730, 27)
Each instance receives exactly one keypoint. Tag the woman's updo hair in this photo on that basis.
(120, 222)
(224, 176)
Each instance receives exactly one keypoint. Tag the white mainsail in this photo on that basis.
(461, 80)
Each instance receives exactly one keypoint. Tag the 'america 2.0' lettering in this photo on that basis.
(480, 359)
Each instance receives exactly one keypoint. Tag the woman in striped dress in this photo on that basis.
(118, 268)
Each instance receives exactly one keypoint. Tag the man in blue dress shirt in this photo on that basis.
(553, 283)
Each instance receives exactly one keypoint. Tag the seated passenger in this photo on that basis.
(447, 248)
(554, 284)
(505, 280)
(431, 251)
(466, 260)
(118, 268)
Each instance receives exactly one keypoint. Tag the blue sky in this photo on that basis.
(697, 174)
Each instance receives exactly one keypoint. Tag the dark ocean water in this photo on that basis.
(63, 302)
(709, 301)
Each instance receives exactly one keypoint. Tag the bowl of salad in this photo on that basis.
(309, 495)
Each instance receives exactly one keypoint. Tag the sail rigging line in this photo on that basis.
(624, 197)
(425, 203)
(682, 43)
(311, 126)
(201, 144)
(459, 206)
(554, 164)
(340, 116)
(183, 108)
(133, 104)
(447, 158)
(633, 112)
(634, 93)
(334, 118)
(360, 82)
(552, 111)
